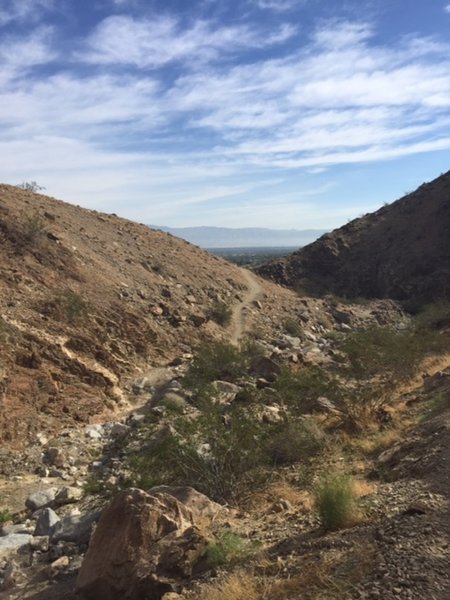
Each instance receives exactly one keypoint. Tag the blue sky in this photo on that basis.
(265, 113)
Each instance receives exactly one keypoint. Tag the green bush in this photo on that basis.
(292, 327)
(433, 316)
(74, 305)
(384, 351)
(5, 516)
(228, 548)
(294, 441)
(220, 313)
(33, 229)
(335, 500)
(299, 390)
(215, 360)
(221, 457)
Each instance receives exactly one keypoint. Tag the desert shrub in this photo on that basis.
(66, 305)
(220, 313)
(299, 390)
(92, 487)
(5, 516)
(228, 548)
(386, 353)
(433, 316)
(292, 327)
(215, 360)
(74, 305)
(239, 585)
(33, 229)
(220, 457)
(335, 500)
(31, 186)
(294, 441)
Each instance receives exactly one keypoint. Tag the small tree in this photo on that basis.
(31, 186)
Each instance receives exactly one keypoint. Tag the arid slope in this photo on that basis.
(89, 300)
(401, 251)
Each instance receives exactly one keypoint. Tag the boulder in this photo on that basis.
(265, 367)
(13, 542)
(68, 495)
(143, 544)
(54, 457)
(46, 522)
(75, 528)
(201, 506)
(41, 499)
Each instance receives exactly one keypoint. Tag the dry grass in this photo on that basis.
(324, 577)
(373, 444)
(234, 586)
(263, 499)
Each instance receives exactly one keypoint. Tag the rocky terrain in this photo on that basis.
(401, 251)
(89, 300)
(156, 445)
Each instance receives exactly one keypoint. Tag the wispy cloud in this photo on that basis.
(162, 110)
(19, 55)
(447, 8)
(155, 42)
(278, 5)
(23, 10)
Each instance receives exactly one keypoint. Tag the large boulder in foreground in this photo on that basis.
(143, 545)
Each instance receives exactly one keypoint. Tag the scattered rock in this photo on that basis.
(41, 499)
(46, 523)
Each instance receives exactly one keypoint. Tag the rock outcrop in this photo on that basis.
(143, 545)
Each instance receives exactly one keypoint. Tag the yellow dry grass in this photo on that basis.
(263, 499)
(234, 586)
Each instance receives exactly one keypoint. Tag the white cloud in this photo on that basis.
(447, 8)
(153, 43)
(23, 10)
(18, 55)
(278, 5)
(215, 131)
(344, 95)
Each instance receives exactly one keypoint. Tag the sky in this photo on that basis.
(239, 113)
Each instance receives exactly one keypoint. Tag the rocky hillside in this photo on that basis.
(176, 428)
(89, 300)
(401, 251)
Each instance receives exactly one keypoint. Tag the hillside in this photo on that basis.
(89, 300)
(174, 427)
(401, 251)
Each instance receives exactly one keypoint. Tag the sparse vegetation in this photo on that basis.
(75, 306)
(92, 487)
(219, 457)
(229, 548)
(335, 500)
(34, 229)
(216, 360)
(66, 305)
(299, 390)
(292, 327)
(31, 186)
(220, 313)
(5, 516)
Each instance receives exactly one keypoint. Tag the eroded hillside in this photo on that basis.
(88, 300)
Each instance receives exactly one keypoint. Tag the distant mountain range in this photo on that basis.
(247, 237)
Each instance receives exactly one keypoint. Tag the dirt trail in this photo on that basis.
(238, 324)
